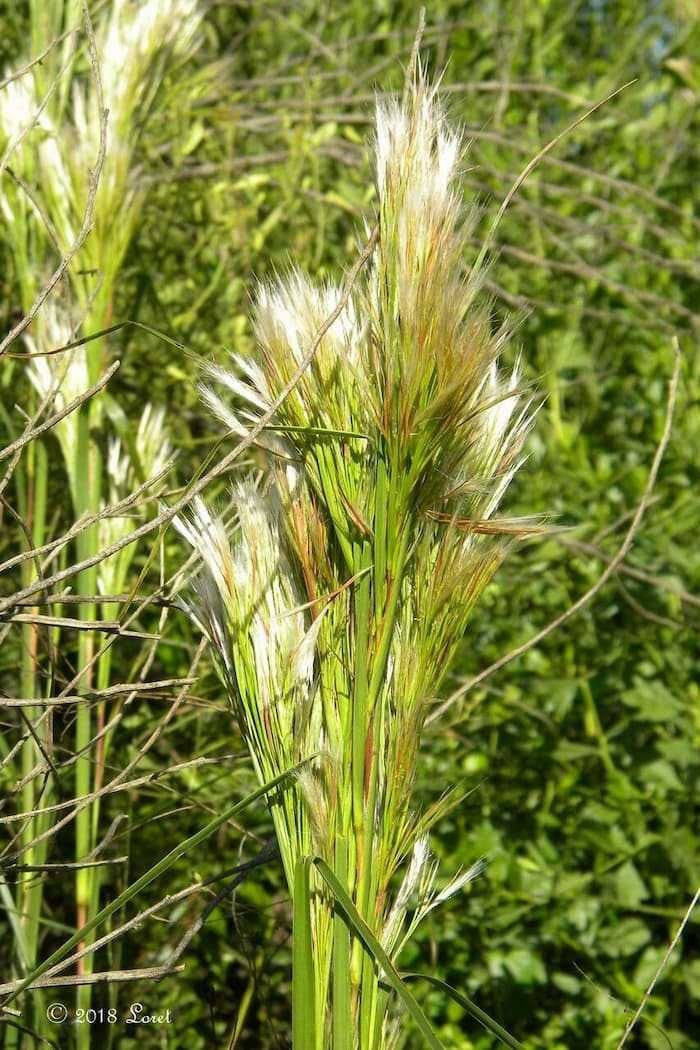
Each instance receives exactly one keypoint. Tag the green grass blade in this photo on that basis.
(303, 987)
(148, 877)
(373, 946)
(480, 1015)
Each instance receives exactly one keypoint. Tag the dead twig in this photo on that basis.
(18, 73)
(662, 966)
(153, 973)
(31, 435)
(122, 689)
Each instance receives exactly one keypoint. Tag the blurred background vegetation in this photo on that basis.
(583, 755)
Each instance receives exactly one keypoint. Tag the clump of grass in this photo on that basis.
(71, 127)
(360, 554)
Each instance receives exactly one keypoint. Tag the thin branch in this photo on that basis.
(647, 614)
(147, 778)
(84, 522)
(69, 598)
(122, 689)
(199, 484)
(124, 773)
(634, 572)
(532, 164)
(36, 61)
(23, 132)
(661, 968)
(73, 865)
(132, 923)
(30, 435)
(107, 626)
(234, 879)
(153, 973)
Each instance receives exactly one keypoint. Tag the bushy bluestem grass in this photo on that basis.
(360, 553)
(71, 127)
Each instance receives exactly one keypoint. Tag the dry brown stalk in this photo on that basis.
(20, 442)
(659, 971)
(153, 973)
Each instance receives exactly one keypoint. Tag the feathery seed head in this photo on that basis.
(124, 476)
(355, 573)
(59, 377)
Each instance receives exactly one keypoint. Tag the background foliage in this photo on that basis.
(583, 755)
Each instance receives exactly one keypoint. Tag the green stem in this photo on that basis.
(87, 486)
(32, 502)
(342, 1006)
(303, 985)
(380, 539)
(360, 686)
(367, 889)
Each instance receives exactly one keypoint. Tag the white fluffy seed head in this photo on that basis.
(410, 886)
(152, 442)
(457, 884)
(416, 150)
(59, 378)
(289, 314)
(250, 589)
(19, 109)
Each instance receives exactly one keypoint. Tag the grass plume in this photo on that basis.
(387, 464)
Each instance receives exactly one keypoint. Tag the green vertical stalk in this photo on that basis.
(380, 538)
(380, 1007)
(370, 975)
(362, 614)
(367, 889)
(32, 489)
(341, 1002)
(94, 874)
(86, 496)
(360, 722)
(303, 983)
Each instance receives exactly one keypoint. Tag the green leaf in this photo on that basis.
(570, 751)
(681, 752)
(566, 983)
(623, 938)
(373, 946)
(661, 774)
(481, 1016)
(630, 888)
(691, 976)
(526, 966)
(652, 702)
(342, 1008)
